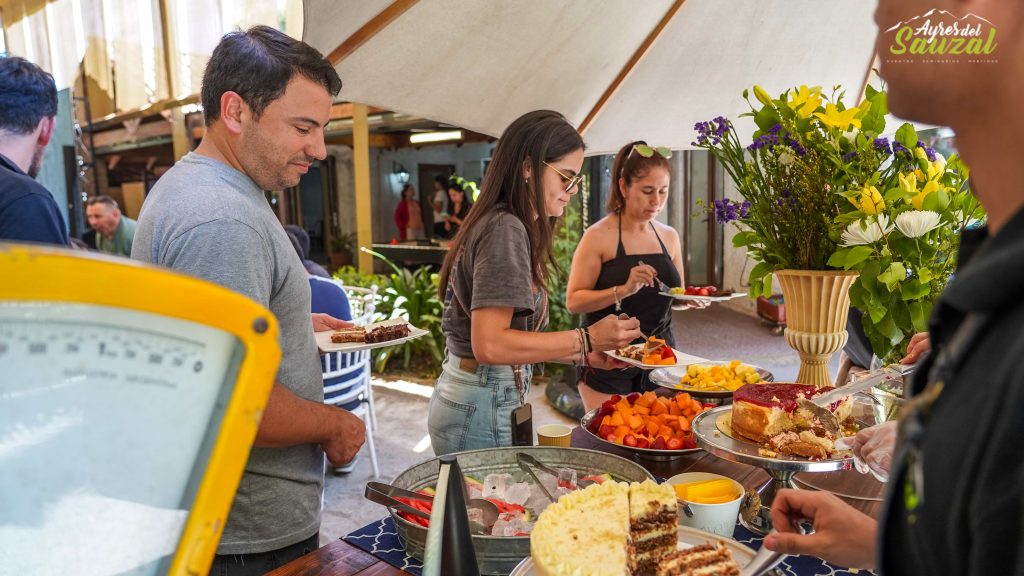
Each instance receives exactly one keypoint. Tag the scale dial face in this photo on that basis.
(107, 417)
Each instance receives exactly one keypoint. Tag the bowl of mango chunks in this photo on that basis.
(711, 380)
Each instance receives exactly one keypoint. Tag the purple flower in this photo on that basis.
(796, 146)
(710, 133)
(929, 152)
(775, 129)
(768, 140)
(727, 210)
(849, 156)
(882, 145)
(898, 148)
(786, 193)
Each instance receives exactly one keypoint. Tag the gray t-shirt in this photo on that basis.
(493, 272)
(209, 220)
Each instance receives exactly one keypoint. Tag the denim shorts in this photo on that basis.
(473, 410)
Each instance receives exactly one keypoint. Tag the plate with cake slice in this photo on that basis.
(633, 526)
(766, 427)
(370, 336)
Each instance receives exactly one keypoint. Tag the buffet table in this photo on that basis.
(376, 550)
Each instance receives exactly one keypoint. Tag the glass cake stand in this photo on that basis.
(755, 511)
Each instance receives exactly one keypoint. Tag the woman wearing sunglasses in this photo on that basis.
(493, 288)
(618, 260)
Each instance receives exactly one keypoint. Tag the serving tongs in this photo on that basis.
(819, 405)
(385, 494)
(527, 463)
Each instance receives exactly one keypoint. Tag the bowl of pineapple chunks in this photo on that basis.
(715, 380)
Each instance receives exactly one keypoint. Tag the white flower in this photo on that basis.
(867, 230)
(917, 223)
(786, 158)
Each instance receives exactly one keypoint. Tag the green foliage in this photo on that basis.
(905, 244)
(411, 296)
(351, 276)
(344, 242)
(809, 150)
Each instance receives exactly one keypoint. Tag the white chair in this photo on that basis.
(354, 393)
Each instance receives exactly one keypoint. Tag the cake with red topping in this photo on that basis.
(768, 413)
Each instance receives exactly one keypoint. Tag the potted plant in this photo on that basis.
(807, 151)
(342, 250)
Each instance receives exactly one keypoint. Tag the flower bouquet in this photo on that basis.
(902, 232)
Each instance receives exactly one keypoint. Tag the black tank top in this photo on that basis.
(652, 310)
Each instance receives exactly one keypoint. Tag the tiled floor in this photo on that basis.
(401, 439)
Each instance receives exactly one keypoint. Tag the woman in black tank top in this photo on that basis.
(617, 260)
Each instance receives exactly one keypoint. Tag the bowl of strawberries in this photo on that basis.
(650, 425)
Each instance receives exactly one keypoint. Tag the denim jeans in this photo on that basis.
(473, 410)
(263, 562)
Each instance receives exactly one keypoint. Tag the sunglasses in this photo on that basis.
(569, 181)
(647, 151)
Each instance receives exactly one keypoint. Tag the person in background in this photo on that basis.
(437, 201)
(617, 260)
(311, 267)
(408, 215)
(266, 99)
(458, 207)
(955, 492)
(114, 231)
(28, 107)
(493, 288)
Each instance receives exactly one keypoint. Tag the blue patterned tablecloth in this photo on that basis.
(381, 539)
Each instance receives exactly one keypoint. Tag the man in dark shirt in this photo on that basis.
(28, 105)
(955, 497)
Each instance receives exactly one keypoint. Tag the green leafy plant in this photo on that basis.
(411, 296)
(351, 276)
(342, 242)
(807, 147)
(904, 240)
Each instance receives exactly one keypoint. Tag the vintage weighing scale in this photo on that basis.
(129, 399)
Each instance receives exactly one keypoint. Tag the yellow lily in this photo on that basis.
(763, 96)
(869, 202)
(908, 183)
(805, 100)
(918, 200)
(841, 119)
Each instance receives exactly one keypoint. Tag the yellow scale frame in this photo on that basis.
(40, 274)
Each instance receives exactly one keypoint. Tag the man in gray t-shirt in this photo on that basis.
(208, 217)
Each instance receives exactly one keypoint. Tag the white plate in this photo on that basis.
(704, 298)
(681, 360)
(688, 538)
(323, 340)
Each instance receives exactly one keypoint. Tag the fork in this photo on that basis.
(661, 285)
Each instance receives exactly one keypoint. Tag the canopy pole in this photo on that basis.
(630, 65)
(361, 168)
(369, 30)
(867, 77)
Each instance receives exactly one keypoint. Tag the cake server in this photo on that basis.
(869, 380)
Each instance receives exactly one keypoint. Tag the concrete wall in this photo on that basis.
(736, 265)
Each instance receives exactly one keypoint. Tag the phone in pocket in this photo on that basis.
(522, 425)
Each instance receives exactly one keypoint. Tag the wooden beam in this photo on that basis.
(369, 30)
(111, 120)
(375, 140)
(361, 168)
(630, 65)
(144, 132)
(343, 110)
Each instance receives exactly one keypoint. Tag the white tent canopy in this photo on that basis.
(618, 69)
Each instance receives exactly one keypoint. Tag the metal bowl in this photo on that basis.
(645, 453)
(496, 554)
(669, 378)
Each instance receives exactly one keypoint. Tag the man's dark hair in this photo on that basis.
(258, 64)
(27, 95)
(102, 199)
